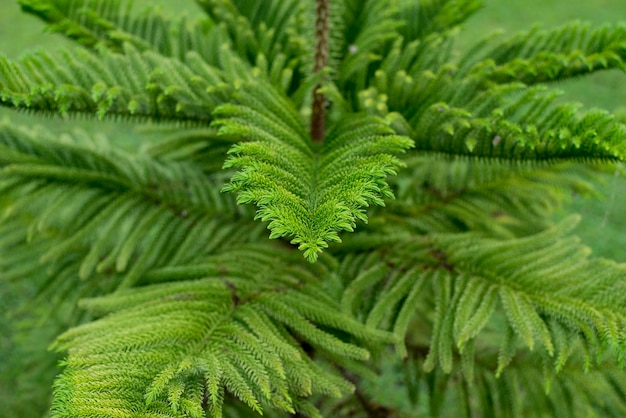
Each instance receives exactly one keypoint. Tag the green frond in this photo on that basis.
(504, 123)
(133, 84)
(517, 269)
(441, 194)
(93, 23)
(124, 214)
(385, 297)
(273, 28)
(364, 281)
(236, 338)
(76, 19)
(538, 286)
(307, 194)
(80, 160)
(367, 27)
(540, 56)
(112, 23)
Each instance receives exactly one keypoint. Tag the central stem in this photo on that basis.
(322, 35)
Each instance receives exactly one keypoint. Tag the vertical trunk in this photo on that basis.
(322, 33)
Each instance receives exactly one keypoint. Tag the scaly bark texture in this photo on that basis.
(322, 35)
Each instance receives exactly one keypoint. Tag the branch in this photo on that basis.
(322, 31)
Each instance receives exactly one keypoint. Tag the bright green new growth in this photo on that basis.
(305, 191)
(424, 214)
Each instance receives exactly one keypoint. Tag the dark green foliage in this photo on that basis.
(415, 244)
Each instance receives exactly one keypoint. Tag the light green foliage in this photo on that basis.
(236, 341)
(307, 193)
(414, 244)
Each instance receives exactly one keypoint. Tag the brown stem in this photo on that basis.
(322, 32)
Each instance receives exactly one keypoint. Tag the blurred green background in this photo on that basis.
(604, 220)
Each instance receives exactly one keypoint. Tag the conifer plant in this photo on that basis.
(408, 189)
